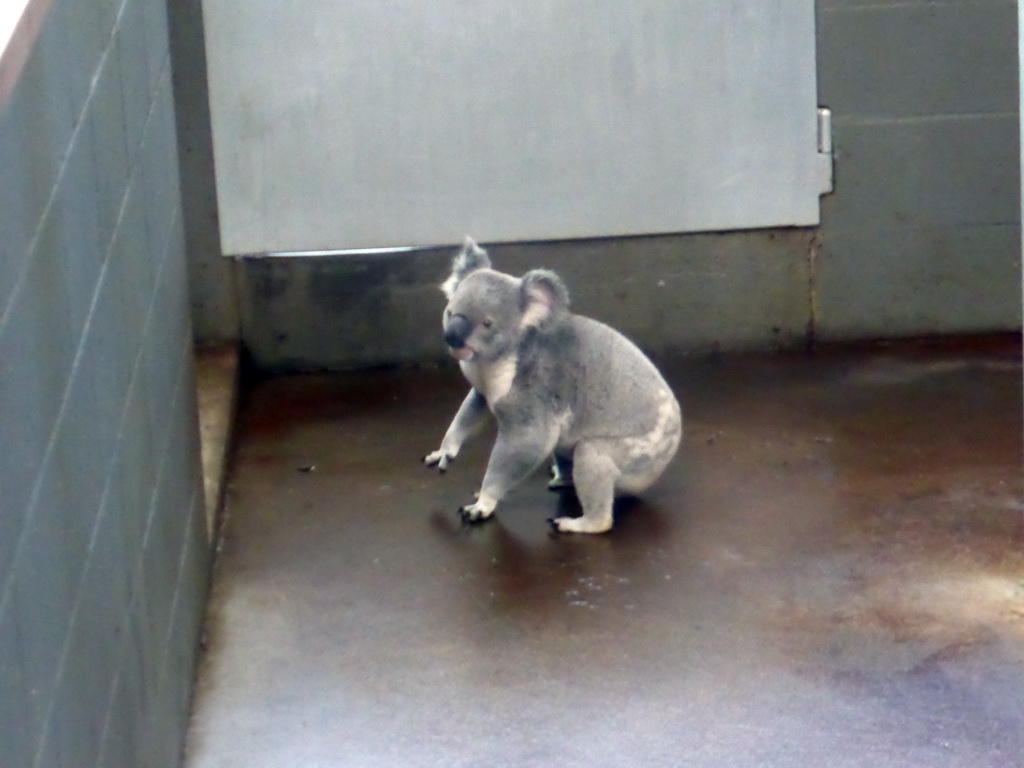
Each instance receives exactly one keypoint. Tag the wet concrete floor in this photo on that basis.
(831, 573)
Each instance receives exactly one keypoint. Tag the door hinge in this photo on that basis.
(825, 170)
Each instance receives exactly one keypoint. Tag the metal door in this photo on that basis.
(379, 123)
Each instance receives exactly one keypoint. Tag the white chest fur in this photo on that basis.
(493, 380)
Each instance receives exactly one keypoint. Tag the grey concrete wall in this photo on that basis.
(672, 294)
(102, 538)
(211, 277)
(922, 235)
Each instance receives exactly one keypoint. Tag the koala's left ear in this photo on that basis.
(470, 258)
(543, 297)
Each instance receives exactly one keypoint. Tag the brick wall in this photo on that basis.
(102, 555)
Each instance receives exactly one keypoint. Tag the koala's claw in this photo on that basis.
(475, 513)
(440, 459)
(580, 524)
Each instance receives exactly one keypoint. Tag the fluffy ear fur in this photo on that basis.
(472, 257)
(544, 297)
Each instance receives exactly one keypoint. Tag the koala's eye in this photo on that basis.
(487, 323)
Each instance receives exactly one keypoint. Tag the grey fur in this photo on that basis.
(471, 257)
(560, 386)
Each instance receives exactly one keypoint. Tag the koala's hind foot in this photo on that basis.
(580, 525)
(480, 510)
(594, 474)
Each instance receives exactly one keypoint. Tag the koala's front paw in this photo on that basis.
(439, 458)
(478, 511)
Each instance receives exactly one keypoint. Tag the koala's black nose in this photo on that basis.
(457, 331)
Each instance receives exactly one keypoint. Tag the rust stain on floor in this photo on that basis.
(831, 573)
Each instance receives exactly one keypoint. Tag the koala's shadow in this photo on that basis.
(524, 569)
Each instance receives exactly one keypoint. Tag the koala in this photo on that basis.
(560, 386)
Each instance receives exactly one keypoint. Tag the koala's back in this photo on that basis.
(610, 387)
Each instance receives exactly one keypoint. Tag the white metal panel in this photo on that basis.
(376, 123)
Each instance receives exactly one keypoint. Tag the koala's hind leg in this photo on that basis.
(594, 473)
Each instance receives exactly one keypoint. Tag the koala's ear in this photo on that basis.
(470, 258)
(543, 296)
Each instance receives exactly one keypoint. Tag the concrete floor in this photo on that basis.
(832, 573)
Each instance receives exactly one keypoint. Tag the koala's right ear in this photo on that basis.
(471, 258)
(543, 297)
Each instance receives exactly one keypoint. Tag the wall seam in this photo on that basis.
(137, 566)
(878, 7)
(193, 515)
(814, 244)
(110, 475)
(80, 120)
(137, 171)
(847, 120)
